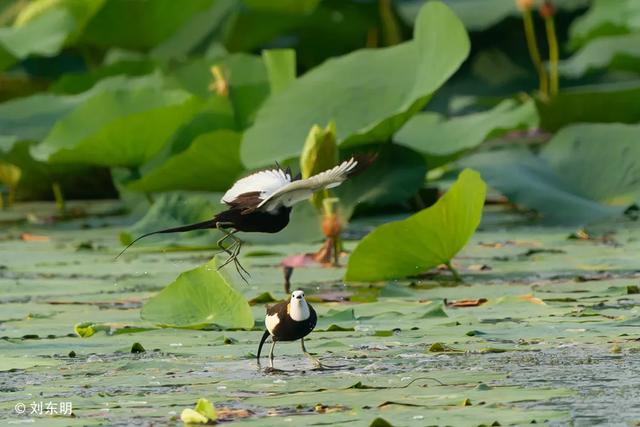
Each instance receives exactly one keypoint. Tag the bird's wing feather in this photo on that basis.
(265, 182)
(296, 191)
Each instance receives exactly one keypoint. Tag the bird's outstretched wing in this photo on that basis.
(259, 185)
(296, 191)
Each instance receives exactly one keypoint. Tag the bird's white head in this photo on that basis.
(298, 307)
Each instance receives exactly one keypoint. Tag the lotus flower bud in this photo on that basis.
(547, 10)
(525, 4)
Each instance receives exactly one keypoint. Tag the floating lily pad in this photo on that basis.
(199, 297)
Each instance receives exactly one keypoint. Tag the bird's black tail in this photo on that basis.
(264, 338)
(211, 223)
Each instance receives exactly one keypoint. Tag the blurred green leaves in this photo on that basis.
(210, 163)
(281, 68)
(43, 27)
(172, 210)
(32, 118)
(613, 52)
(384, 183)
(586, 104)
(140, 24)
(586, 173)
(118, 128)
(433, 135)
(132, 85)
(605, 18)
(368, 93)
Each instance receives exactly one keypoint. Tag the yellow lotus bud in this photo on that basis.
(320, 153)
(220, 83)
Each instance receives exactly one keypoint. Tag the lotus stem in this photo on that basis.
(534, 53)
(454, 272)
(337, 249)
(220, 83)
(11, 196)
(332, 227)
(58, 196)
(390, 27)
(372, 38)
(554, 55)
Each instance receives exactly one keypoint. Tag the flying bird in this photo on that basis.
(289, 321)
(262, 203)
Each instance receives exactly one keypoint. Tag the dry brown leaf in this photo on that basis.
(530, 298)
(28, 237)
(466, 302)
(231, 414)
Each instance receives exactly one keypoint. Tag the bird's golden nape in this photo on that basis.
(261, 203)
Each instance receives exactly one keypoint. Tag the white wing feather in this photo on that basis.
(266, 182)
(297, 191)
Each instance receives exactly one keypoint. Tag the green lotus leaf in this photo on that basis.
(425, 240)
(210, 163)
(559, 182)
(369, 93)
(429, 134)
(199, 296)
(118, 128)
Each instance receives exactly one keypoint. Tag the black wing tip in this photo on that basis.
(363, 162)
(286, 171)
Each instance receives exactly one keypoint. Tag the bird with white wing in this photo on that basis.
(262, 202)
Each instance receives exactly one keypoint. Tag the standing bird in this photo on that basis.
(289, 321)
(262, 202)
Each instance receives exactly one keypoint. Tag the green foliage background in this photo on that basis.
(142, 98)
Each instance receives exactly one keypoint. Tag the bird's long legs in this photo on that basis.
(271, 355)
(311, 357)
(233, 251)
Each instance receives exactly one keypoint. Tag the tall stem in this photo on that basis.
(534, 53)
(454, 272)
(390, 27)
(553, 55)
(11, 196)
(337, 249)
(57, 194)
